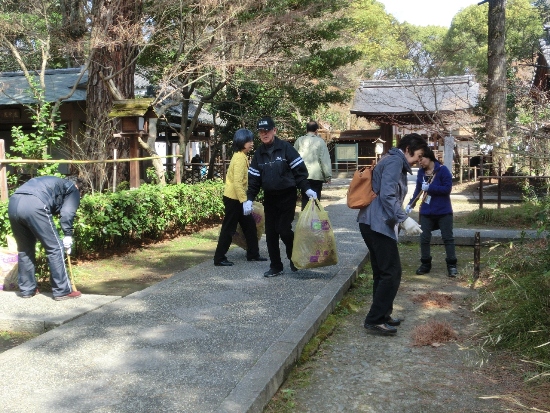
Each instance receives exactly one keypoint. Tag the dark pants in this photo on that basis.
(430, 223)
(233, 216)
(279, 208)
(317, 186)
(31, 221)
(386, 272)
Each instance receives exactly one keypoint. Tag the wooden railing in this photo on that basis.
(499, 185)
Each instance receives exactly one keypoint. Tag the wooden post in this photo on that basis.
(481, 192)
(3, 175)
(223, 162)
(114, 170)
(178, 165)
(499, 186)
(477, 255)
(460, 166)
(134, 165)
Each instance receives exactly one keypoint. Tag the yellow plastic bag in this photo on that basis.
(259, 219)
(314, 242)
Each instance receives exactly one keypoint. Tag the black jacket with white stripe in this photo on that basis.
(276, 168)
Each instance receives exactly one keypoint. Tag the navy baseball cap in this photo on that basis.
(265, 123)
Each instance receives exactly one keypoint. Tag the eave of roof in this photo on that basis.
(59, 82)
(408, 97)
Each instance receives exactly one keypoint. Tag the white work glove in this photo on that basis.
(247, 207)
(425, 186)
(68, 243)
(311, 193)
(411, 227)
(408, 209)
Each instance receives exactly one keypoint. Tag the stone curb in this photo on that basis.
(256, 389)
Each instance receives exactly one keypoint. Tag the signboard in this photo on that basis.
(10, 114)
(346, 152)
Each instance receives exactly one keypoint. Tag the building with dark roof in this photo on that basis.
(59, 83)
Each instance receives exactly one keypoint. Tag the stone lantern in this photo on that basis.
(134, 115)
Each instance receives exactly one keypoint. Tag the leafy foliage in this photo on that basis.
(111, 220)
(466, 41)
(48, 131)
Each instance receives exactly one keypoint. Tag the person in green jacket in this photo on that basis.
(234, 196)
(313, 150)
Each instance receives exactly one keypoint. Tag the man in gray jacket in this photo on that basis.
(30, 210)
(313, 150)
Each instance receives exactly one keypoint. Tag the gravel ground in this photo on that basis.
(357, 371)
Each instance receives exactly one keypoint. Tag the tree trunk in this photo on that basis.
(114, 54)
(149, 146)
(496, 88)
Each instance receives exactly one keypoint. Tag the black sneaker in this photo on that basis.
(272, 272)
(381, 328)
(293, 267)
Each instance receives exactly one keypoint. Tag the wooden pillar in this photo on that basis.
(386, 132)
(134, 165)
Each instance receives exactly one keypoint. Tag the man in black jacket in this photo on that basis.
(30, 210)
(277, 168)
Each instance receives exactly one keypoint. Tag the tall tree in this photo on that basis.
(115, 37)
(200, 48)
(496, 84)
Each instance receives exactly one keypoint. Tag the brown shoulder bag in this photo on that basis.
(360, 193)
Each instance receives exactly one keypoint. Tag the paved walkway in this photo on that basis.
(209, 339)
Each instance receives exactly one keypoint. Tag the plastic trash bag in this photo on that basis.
(259, 218)
(8, 266)
(314, 242)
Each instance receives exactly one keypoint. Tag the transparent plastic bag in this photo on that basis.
(314, 242)
(259, 219)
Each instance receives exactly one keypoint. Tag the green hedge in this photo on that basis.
(110, 220)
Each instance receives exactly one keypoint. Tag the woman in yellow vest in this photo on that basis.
(234, 195)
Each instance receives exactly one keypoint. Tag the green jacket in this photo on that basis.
(314, 152)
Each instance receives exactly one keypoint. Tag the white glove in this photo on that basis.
(425, 186)
(408, 209)
(311, 193)
(247, 207)
(411, 227)
(68, 243)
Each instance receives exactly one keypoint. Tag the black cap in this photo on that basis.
(265, 123)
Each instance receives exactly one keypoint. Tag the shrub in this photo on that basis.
(528, 215)
(149, 212)
(110, 220)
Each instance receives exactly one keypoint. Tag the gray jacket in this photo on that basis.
(389, 181)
